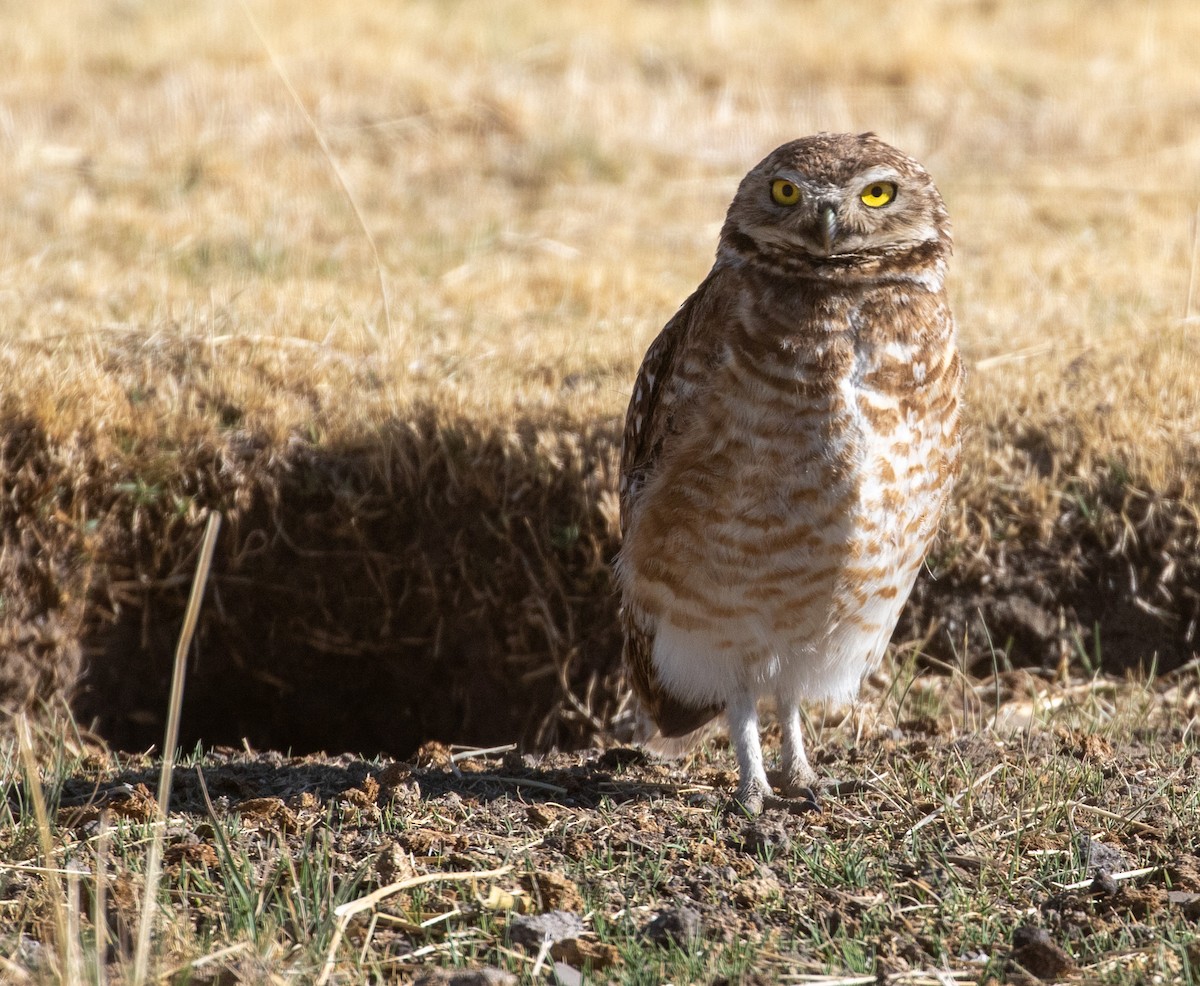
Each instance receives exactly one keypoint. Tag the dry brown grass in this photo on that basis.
(191, 317)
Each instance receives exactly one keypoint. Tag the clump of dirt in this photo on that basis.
(447, 578)
(1035, 952)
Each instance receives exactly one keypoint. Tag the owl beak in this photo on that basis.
(829, 226)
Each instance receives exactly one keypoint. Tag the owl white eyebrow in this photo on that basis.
(795, 178)
(876, 174)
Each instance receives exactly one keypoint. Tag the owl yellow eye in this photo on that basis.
(784, 192)
(878, 193)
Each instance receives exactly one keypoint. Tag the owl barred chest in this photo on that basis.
(783, 529)
(789, 447)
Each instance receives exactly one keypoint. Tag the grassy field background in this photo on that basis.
(390, 337)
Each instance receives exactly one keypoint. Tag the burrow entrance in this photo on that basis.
(445, 579)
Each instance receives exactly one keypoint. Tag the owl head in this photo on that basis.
(839, 207)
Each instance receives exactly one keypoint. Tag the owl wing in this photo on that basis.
(659, 399)
(656, 411)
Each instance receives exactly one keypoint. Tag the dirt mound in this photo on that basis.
(444, 578)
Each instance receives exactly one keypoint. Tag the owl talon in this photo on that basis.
(748, 801)
(805, 785)
(801, 792)
(753, 803)
(800, 805)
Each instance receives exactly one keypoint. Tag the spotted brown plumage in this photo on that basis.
(789, 446)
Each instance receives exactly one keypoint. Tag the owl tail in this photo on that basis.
(674, 747)
(681, 734)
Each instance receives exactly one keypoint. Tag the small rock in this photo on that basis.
(531, 930)
(567, 975)
(1098, 856)
(1103, 885)
(679, 925)
(1187, 901)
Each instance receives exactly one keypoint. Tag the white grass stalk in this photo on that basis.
(542, 954)
(72, 951)
(33, 787)
(154, 859)
(100, 901)
(1115, 877)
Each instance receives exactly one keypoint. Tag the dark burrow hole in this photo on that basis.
(448, 580)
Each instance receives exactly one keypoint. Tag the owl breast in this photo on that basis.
(780, 535)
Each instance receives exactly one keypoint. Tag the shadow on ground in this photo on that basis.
(444, 579)
(448, 578)
(231, 778)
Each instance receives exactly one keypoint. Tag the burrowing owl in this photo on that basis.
(790, 444)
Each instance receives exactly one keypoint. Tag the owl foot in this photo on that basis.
(752, 800)
(749, 798)
(798, 783)
(799, 805)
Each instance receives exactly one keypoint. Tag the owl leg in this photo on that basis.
(796, 777)
(753, 788)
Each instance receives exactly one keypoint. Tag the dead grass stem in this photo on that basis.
(150, 903)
